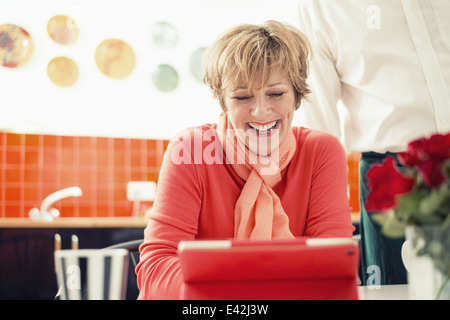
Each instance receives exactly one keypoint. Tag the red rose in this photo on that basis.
(432, 173)
(414, 154)
(385, 183)
(428, 154)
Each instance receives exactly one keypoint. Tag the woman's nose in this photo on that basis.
(261, 107)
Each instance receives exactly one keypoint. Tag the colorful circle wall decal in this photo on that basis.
(16, 46)
(62, 71)
(165, 35)
(165, 78)
(115, 58)
(62, 29)
(195, 63)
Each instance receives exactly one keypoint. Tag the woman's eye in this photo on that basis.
(276, 94)
(242, 98)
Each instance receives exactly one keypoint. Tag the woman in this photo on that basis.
(251, 175)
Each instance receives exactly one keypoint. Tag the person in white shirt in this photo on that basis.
(380, 78)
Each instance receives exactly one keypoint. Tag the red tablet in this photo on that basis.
(270, 270)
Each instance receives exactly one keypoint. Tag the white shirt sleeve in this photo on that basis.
(320, 112)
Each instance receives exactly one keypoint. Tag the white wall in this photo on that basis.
(130, 107)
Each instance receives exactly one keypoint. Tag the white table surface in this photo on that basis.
(387, 292)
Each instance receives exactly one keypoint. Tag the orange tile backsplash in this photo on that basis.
(33, 166)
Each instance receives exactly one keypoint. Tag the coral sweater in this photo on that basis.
(196, 200)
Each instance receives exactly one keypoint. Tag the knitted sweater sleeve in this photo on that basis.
(328, 207)
(173, 218)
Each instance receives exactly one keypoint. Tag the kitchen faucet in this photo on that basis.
(48, 214)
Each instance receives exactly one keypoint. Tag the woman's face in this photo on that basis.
(262, 113)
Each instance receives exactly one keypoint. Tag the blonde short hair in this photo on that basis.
(239, 54)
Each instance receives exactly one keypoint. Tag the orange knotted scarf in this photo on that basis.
(258, 213)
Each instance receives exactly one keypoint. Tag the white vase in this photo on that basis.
(425, 281)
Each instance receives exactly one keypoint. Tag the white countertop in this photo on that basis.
(387, 292)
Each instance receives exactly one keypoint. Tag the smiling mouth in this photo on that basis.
(263, 128)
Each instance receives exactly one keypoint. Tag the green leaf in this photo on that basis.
(391, 226)
(435, 200)
(379, 218)
(446, 223)
(409, 204)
